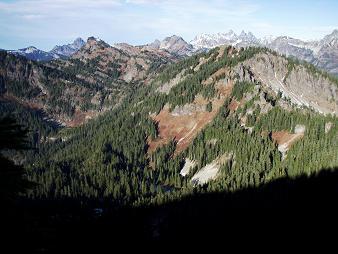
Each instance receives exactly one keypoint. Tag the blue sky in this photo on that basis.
(45, 23)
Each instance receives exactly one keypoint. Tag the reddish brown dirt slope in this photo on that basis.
(184, 128)
(284, 137)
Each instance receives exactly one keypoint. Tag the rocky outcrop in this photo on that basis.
(188, 109)
(166, 87)
(298, 84)
(210, 171)
(174, 45)
(299, 129)
(328, 127)
(188, 165)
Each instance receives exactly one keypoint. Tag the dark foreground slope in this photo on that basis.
(296, 205)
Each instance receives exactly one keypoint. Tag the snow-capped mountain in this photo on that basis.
(327, 55)
(213, 40)
(57, 52)
(33, 53)
(230, 38)
(293, 47)
(267, 39)
(69, 49)
(322, 53)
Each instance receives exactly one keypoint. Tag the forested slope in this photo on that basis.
(210, 110)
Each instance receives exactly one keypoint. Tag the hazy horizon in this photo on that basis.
(46, 23)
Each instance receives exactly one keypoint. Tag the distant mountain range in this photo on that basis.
(208, 41)
(64, 51)
(321, 53)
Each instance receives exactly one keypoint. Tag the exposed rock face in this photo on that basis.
(263, 104)
(173, 44)
(69, 49)
(177, 45)
(207, 173)
(328, 127)
(210, 171)
(298, 84)
(292, 47)
(166, 87)
(188, 109)
(299, 129)
(188, 165)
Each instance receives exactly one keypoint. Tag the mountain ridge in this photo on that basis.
(91, 81)
(322, 53)
(58, 52)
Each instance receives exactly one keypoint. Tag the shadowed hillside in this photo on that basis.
(284, 204)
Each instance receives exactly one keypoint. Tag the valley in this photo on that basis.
(246, 106)
(117, 130)
(155, 124)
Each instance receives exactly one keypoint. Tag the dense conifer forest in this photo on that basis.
(106, 161)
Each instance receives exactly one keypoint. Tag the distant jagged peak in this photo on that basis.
(93, 41)
(171, 40)
(173, 44)
(177, 45)
(155, 44)
(68, 49)
(173, 37)
(227, 35)
(79, 42)
(268, 39)
(334, 33)
(29, 49)
(328, 39)
(247, 37)
(127, 48)
(228, 38)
